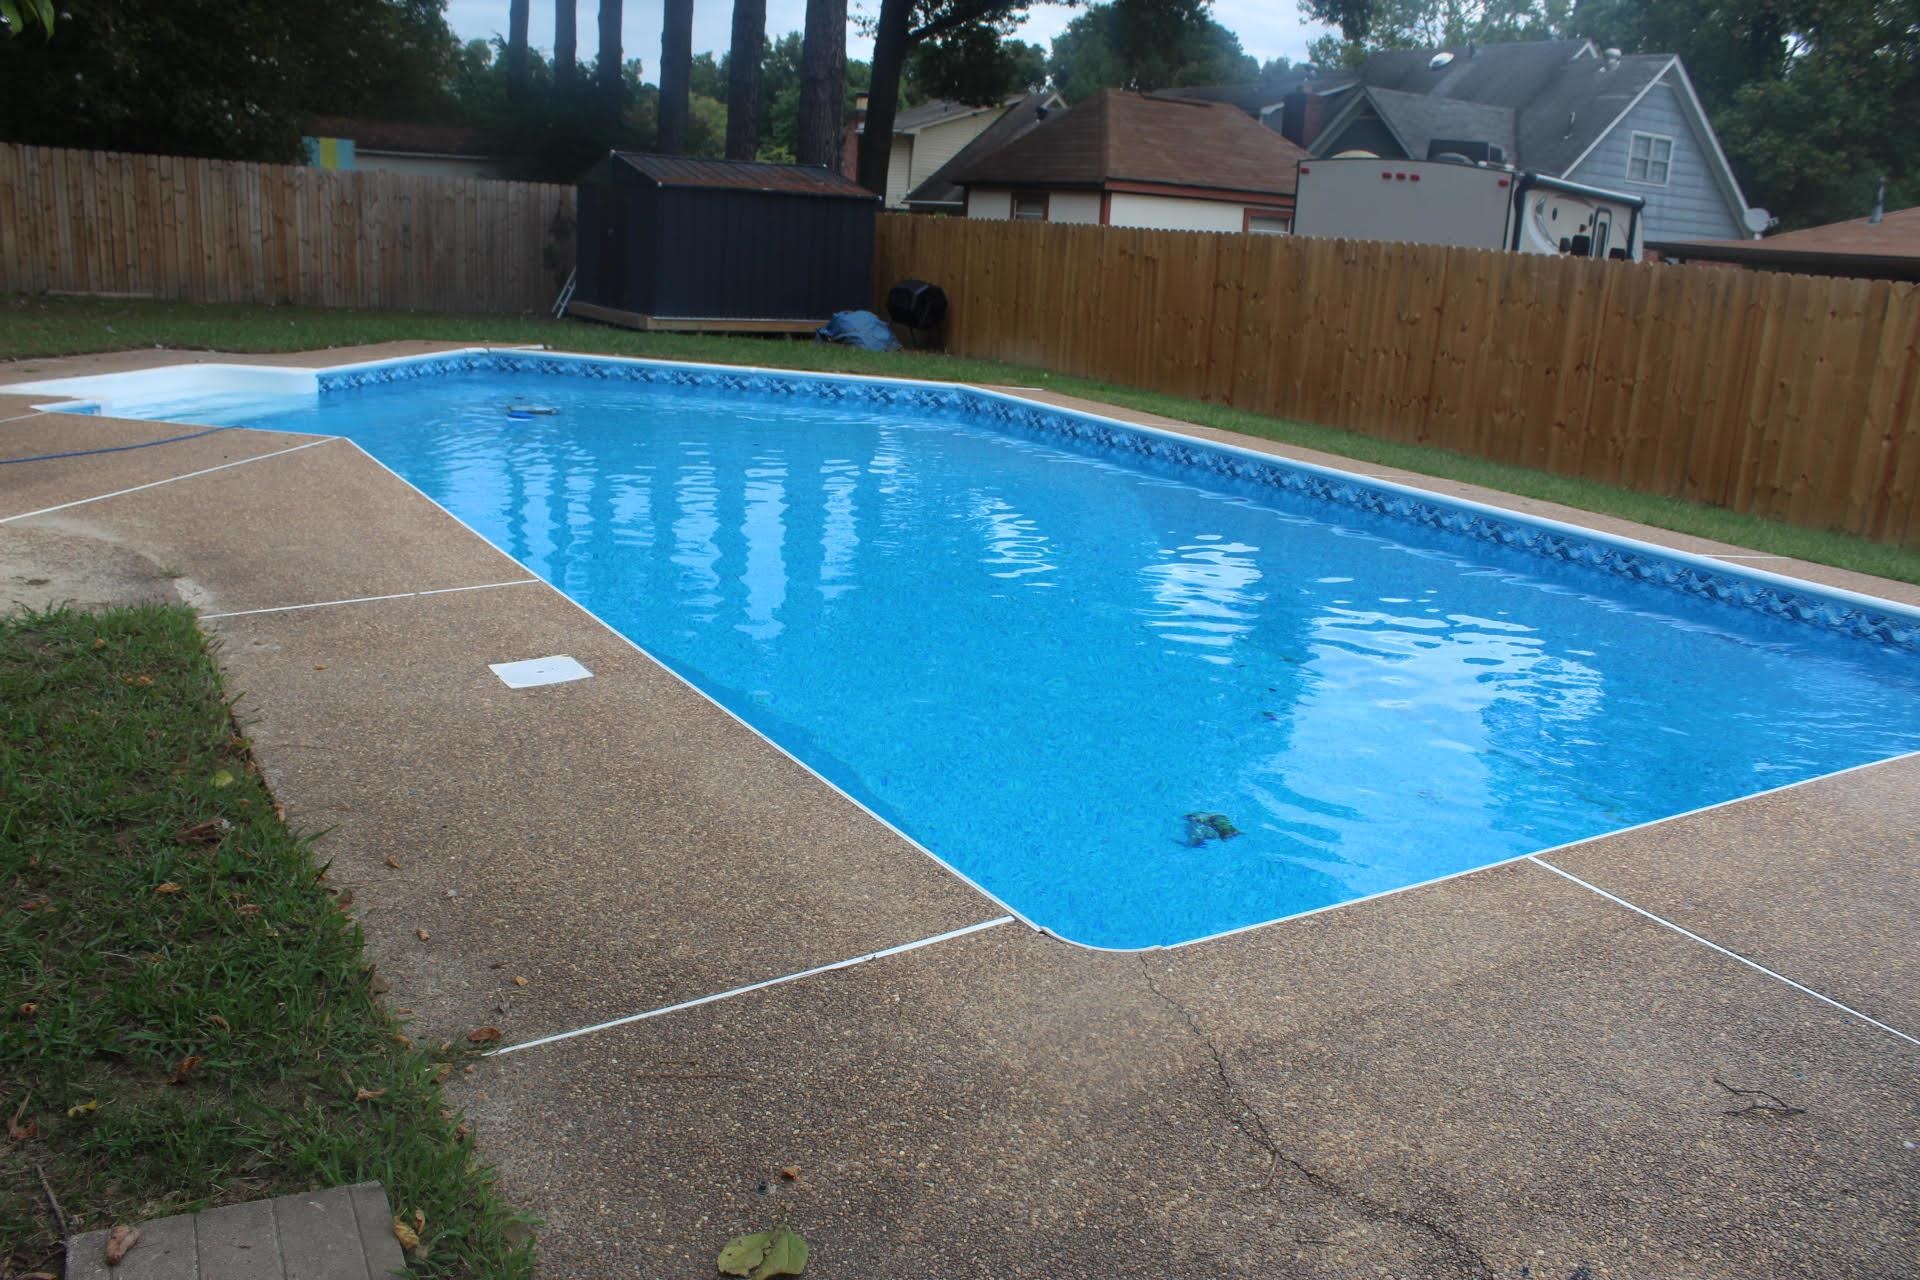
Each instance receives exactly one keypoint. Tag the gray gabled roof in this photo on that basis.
(1499, 75)
(939, 188)
(1563, 122)
(1417, 119)
(939, 111)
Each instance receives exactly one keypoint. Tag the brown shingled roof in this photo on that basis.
(1888, 249)
(1119, 136)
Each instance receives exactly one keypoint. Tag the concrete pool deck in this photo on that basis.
(1509, 1073)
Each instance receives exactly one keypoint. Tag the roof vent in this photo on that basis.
(1439, 60)
(1613, 59)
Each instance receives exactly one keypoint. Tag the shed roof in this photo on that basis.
(742, 175)
(1119, 136)
(1888, 249)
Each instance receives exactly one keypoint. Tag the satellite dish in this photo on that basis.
(1439, 60)
(1758, 220)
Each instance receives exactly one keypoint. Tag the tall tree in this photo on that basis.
(676, 70)
(743, 78)
(823, 80)
(612, 87)
(565, 39)
(517, 17)
(1116, 46)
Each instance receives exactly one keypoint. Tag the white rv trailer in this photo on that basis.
(1459, 202)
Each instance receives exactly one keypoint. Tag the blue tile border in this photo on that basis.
(1774, 599)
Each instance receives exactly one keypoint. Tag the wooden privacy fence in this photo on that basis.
(1790, 397)
(223, 231)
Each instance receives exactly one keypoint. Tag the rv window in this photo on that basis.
(1649, 158)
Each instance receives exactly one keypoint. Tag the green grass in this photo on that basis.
(188, 1013)
(38, 326)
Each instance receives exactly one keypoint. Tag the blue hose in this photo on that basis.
(118, 448)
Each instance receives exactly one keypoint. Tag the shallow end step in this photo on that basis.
(341, 1233)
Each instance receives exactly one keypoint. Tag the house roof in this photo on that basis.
(941, 110)
(1576, 108)
(1888, 249)
(1120, 136)
(1417, 119)
(741, 175)
(401, 136)
(1017, 121)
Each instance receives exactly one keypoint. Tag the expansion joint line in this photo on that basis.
(398, 595)
(1457, 1249)
(154, 484)
(1711, 945)
(730, 993)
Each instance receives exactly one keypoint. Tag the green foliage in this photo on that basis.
(1146, 44)
(188, 1016)
(973, 63)
(18, 15)
(223, 78)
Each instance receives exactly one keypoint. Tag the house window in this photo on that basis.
(1649, 158)
(1268, 224)
(1029, 206)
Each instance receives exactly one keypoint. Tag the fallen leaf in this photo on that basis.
(204, 832)
(122, 1240)
(36, 903)
(19, 1128)
(166, 887)
(519, 982)
(791, 1173)
(29, 1009)
(99, 642)
(441, 1072)
(280, 812)
(143, 681)
(248, 908)
(405, 1234)
(786, 1254)
(319, 666)
(420, 1222)
(368, 1095)
(345, 900)
(481, 1035)
(86, 1108)
(401, 1039)
(422, 934)
(224, 778)
(391, 863)
(743, 1253)
(185, 1068)
(219, 1022)
(463, 1132)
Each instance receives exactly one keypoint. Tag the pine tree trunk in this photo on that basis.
(823, 82)
(676, 69)
(565, 38)
(517, 49)
(743, 79)
(883, 93)
(612, 87)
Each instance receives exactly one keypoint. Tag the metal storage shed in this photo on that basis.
(673, 242)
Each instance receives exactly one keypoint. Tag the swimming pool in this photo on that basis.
(1140, 688)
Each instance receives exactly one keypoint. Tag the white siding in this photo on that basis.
(989, 204)
(937, 144)
(899, 167)
(1073, 206)
(1692, 205)
(1174, 214)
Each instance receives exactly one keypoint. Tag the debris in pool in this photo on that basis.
(1202, 827)
(524, 411)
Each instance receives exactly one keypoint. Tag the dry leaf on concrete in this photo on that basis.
(482, 1035)
(122, 1240)
(422, 934)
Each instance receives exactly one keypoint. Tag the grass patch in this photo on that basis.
(188, 1017)
(40, 326)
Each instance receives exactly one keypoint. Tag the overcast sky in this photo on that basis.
(1267, 28)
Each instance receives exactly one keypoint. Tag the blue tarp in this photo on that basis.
(861, 329)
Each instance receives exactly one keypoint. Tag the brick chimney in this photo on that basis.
(1302, 113)
(850, 138)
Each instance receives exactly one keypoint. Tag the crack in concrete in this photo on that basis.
(1454, 1247)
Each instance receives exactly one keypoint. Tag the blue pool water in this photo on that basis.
(1037, 662)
